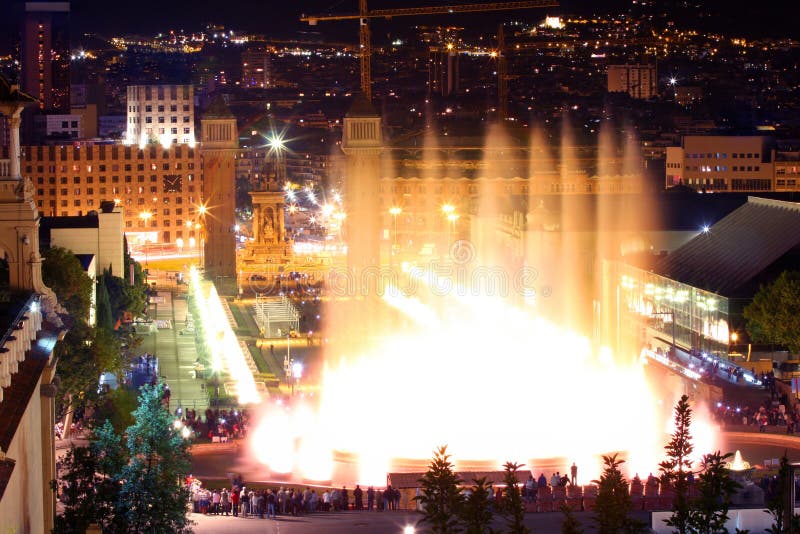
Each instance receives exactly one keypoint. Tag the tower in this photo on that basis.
(219, 144)
(362, 144)
(45, 54)
(27, 449)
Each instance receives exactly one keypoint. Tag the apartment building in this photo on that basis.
(160, 113)
(639, 81)
(158, 189)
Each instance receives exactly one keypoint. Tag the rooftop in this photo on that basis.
(737, 249)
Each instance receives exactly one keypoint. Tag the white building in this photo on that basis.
(160, 113)
(68, 126)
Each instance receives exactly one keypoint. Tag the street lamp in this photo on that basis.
(452, 217)
(395, 211)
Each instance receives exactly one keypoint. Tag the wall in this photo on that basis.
(21, 509)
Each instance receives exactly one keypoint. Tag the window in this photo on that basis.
(173, 108)
(161, 120)
(161, 109)
(185, 119)
(148, 120)
(148, 108)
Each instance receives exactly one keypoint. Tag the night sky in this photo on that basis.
(279, 18)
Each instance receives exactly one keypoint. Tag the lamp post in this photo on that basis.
(145, 216)
(395, 211)
(452, 217)
(672, 320)
(449, 211)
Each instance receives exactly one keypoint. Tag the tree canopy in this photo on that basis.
(62, 272)
(132, 484)
(774, 314)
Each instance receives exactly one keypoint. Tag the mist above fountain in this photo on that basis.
(482, 348)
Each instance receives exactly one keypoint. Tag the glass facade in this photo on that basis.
(697, 319)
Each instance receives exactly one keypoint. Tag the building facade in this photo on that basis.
(158, 190)
(725, 164)
(639, 81)
(160, 113)
(256, 67)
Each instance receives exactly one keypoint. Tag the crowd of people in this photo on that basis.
(772, 415)
(222, 424)
(241, 501)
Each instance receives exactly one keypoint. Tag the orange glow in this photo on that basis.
(492, 381)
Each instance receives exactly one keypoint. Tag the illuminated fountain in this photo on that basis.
(749, 494)
(470, 353)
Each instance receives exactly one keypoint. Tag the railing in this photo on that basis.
(5, 168)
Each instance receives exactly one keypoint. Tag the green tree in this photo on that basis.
(709, 511)
(477, 511)
(613, 505)
(116, 407)
(124, 296)
(513, 508)
(441, 495)
(776, 504)
(77, 492)
(677, 466)
(152, 497)
(774, 314)
(62, 272)
(104, 316)
(570, 523)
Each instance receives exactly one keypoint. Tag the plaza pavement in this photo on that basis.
(176, 352)
(365, 522)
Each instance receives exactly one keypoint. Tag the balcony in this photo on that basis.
(5, 169)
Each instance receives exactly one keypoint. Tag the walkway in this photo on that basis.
(176, 352)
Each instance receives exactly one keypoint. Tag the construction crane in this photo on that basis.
(365, 14)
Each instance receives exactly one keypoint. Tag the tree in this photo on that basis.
(613, 504)
(774, 314)
(709, 511)
(62, 272)
(512, 500)
(441, 495)
(152, 497)
(104, 316)
(570, 524)
(124, 296)
(677, 466)
(776, 503)
(137, 480)
(477, 510)
(77, 491)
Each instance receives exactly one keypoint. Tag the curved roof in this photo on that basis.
(736, 249)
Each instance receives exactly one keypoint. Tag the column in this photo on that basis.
(257, 222)
(48, 393)
(14, 122)
(279, 229)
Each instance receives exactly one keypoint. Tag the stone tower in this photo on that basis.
(362, 144)
(218, 146)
